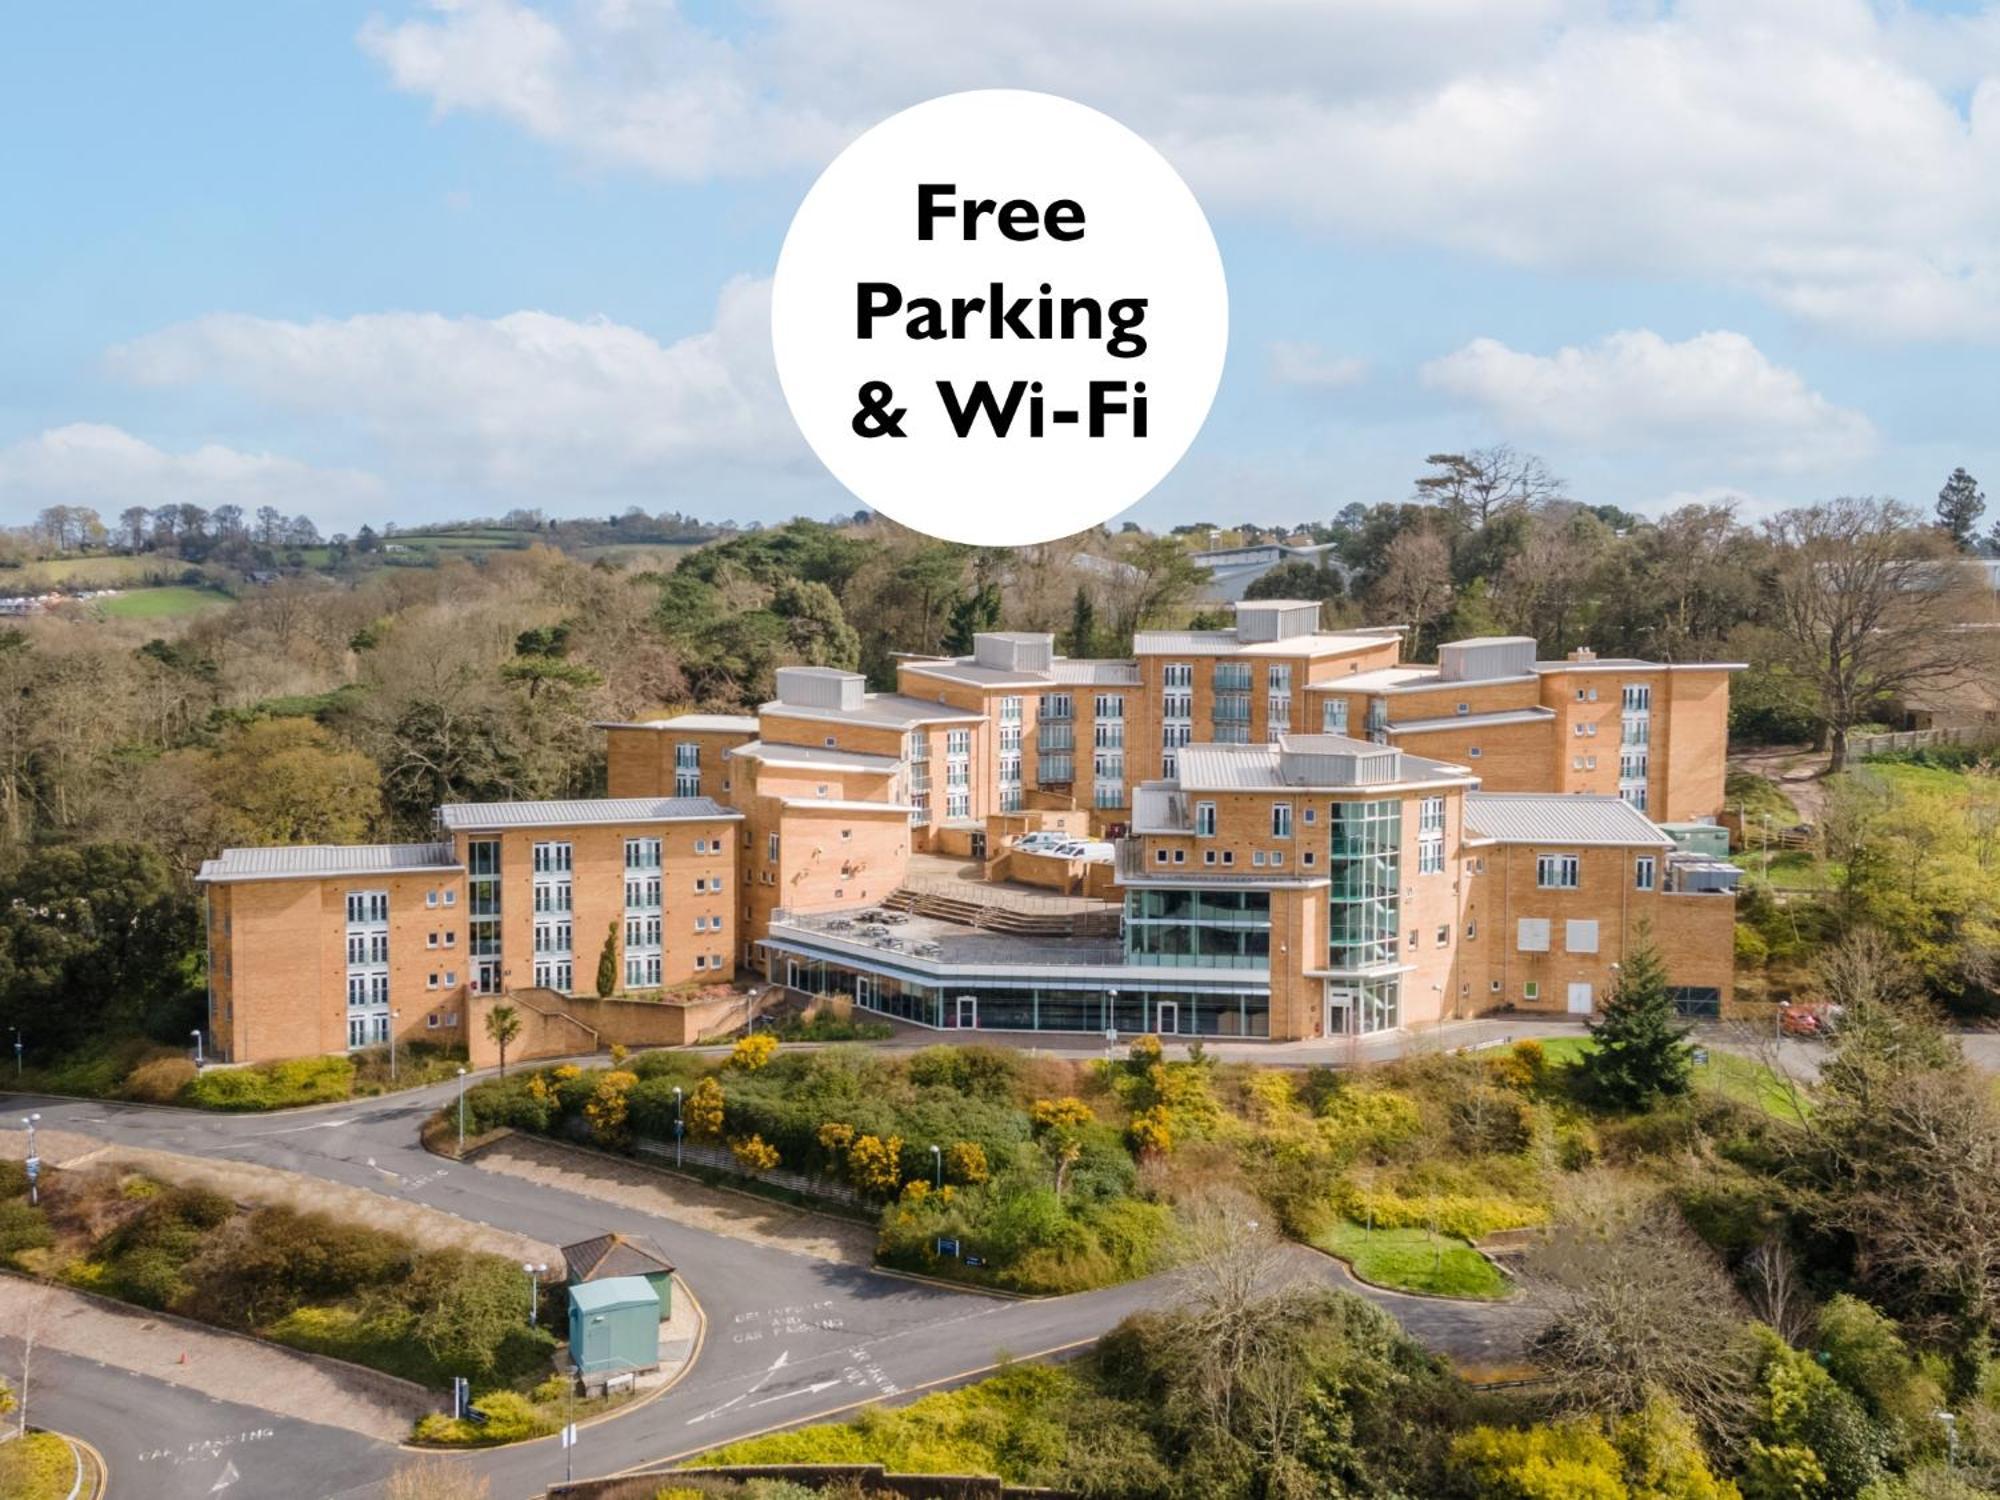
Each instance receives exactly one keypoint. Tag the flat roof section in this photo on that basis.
(310, 861)
(1558, 818)
(460, 817)
(880, 710)
(689, 724)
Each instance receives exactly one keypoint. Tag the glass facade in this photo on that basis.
(1050, 1006)
(1199, 928)
(1364, 896)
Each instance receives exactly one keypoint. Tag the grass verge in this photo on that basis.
(1414, 1260)
(39, 1466)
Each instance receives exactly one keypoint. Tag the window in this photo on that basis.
(1472, 753)
(1464, 708)
(1178, 674)
(1557, 872)
(1204, 820)
(1531, 989)
(1430, 836)
(430, 898)
(430, 940)
(451, 898)
(1180, 856)
(1333, 716)
(1642, 873)
(367, 908)
(1532, 935)
(1580, 936)
(642, 854)
(771, 848)
(1159, 856)
(1637, 698)
(957, 743)
(1444, 936)
(1257, 858)
(1281, 820)
(1110, 706)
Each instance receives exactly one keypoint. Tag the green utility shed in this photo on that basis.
(607, 1255)
(614, 1326)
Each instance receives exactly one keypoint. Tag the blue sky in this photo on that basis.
(404, 261)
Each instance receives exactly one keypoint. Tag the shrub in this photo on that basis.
(158, 1081)
(1566, 1461)
(1152, 1131)
(966, 1163)
(876, 1165)
(989, 1073)
(754, 1051)
(1369, 1119)
(1469, 1216)
(275, 1085)
(278, 1259)
(1069, 1113)
(705, 1110)
(754, 1154)
(22, 1228)
(510, 1418)
(607, 1107)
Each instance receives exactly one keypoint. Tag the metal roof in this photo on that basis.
(1062, 672)
(458, 816)
(1227, 643)
(613, 1293)
(689, 723)
(1260, 768)
(300, 861)
(1381, 680)
(1476, 721)
(884, 710)
(814, 756)
(1559, 818)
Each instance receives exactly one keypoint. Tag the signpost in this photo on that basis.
(569, 1448)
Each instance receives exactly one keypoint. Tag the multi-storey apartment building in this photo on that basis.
(1316, 840)
(327, 948)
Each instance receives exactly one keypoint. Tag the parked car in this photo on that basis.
(1802, 1021)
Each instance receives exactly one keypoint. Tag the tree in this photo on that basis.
(607, 963)
(1296, 578)
(1476, 488)
(468, 1305)
(1082, 639)
(503, 1024)
(1642, 1053)
(977, 611)
(288, 781)
(1868, 604)
(1960, 504)
(816, 629)
(1415, 587)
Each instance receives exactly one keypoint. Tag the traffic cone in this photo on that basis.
(184, 1356)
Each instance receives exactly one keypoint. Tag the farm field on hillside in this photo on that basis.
(170, 603)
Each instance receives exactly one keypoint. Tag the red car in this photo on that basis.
(1801, 1020)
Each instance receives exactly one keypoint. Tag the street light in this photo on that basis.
(937, 1160)
(17, 1050)
(461, 1112)
(198, 1058)
(534, 1289)
(394, 1017)
(34, 1161)
(680, 1126)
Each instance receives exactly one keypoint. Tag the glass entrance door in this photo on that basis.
(967, 1017)
(1167, 1017)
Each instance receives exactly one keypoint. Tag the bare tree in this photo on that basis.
(1415, 587)
(1776, 1293)
(33, 1324)
(1476, 487)
(1640, 1305)
(1868, 603)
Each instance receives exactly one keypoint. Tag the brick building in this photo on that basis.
(1312, 839)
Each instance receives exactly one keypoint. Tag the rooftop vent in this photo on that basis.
(1486, 657)
(1336, 760)
(821, 687)
(1014, 650)
(1265, 620)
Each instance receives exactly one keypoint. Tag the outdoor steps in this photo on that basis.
(1092, 922)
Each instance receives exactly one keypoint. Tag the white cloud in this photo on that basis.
(1302, 363)
(529, 406)
(1814, 151)
(88, 463)
(1715, 393)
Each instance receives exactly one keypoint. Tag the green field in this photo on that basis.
(1413, 1260)
(89, 572)
(176, 602)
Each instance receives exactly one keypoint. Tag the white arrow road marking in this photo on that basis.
(804, 1390)
(762, 1380)
(298, 1129)
(229, 1477)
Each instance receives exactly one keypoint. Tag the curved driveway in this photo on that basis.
(789, 1337)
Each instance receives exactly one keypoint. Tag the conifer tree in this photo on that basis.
(1642, 1053)
(607, 964)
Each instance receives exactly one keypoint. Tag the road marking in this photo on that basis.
(804, 1390)
(259, 1135)
(763, 1380)
(229, 1477)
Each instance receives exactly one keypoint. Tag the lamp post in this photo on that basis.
(680, 1125)
(535, 1273)
(17, 1050)
(937, 1161)
(34, 1161)
(394, 1017)
(199, 1059)
(461, 1112)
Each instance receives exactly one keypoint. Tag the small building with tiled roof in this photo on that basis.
(606, 1257)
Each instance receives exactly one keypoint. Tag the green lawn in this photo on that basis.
(1788, 869)
(1412, 1260)
(91, 572)
(173, 603)
(1730, 1073)
(39, 1466)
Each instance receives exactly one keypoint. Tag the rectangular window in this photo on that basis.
(957, 743)
(1110, 706)
(1557, 872)
(1580, 936)
(1642, 873)
(1281, 820)
(1204, 820)
(1532, 935)
(1333, 716)
(642, 854)
(1637, 698)
(771, 848)
(1179, 674)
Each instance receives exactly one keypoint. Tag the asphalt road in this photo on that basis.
(789, 1337)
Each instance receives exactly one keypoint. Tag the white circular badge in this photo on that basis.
(999, 317)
